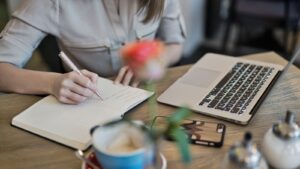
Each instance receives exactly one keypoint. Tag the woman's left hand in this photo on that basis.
(126, 77)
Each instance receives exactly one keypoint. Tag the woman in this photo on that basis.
(90, 33)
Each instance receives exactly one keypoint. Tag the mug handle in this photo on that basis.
(93, 129)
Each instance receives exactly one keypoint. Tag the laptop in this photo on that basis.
(225, 87)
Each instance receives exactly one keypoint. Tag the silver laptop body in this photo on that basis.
(225, 87)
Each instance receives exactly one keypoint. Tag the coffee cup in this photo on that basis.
(123, 145)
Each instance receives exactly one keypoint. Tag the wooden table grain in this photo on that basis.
(23, 150)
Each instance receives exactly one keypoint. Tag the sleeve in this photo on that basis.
(25, 30)
(17, 42)
(172, 26)
(43, 15)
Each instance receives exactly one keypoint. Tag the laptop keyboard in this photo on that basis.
(238, 88)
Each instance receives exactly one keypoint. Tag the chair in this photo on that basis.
(270, 14)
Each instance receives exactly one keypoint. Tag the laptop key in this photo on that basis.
(204, 101)
(213, 103)
(235, 110)
(242, 111)
(227, 108)
(220, 108)
(225, 79)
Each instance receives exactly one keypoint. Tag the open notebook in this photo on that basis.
(71, 124)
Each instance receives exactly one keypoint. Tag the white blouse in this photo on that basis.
(90, 32)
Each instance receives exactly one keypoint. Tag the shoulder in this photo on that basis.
(37, 4)
(41, 14)
(172, 8)
(172, 5)
(171, 2)
(37, 8)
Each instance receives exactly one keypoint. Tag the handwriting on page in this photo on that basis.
(118, 95)
(107, 88)
(128, 97)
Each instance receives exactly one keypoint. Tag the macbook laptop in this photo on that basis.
(225, 87)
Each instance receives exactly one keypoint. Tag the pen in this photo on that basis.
(65, 59)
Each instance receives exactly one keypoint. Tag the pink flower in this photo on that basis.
(143, 58)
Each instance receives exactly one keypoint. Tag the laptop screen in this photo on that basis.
(285, 69)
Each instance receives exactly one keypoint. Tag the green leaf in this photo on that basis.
(182, 143)
(179, 115)
(174, 131)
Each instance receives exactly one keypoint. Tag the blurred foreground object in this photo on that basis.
(244, 155)
(144, 59)
(281, 144)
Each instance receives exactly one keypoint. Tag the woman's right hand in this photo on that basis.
(73, 88)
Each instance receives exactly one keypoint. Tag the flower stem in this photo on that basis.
(152, 107)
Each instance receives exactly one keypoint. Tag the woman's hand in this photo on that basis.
(126, 77)
(73, 88)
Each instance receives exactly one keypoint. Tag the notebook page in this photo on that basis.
(68, 124)
(123, 97)
(71, 124)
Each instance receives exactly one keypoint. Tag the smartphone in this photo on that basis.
(198, 132)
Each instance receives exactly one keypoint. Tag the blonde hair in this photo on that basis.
(153, 9)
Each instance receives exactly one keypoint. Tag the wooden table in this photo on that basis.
(19, 149)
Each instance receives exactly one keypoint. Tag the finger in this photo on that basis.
(121, 74)
(65, 100)
(76, 98)
(74, 87)
(92, 76)
(80, 80)
(128, 77)
(135, 83)
(86, 92)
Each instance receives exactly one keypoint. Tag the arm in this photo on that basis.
(17, 42)
(70, 88)
(13, 79)
(172, 31)
(172, 54)
(29, 25)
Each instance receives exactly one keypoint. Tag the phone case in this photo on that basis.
(198, 132)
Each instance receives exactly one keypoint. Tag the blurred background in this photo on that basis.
(232, 27)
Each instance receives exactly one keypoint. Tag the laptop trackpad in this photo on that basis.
(200, 77)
